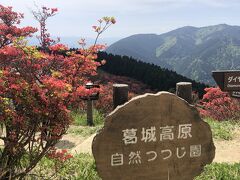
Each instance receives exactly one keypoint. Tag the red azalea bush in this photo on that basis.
(219, 105)
(104, 103)
(60, 155)
(60, 159)
(37, 89)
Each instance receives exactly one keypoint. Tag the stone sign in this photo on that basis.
(153, 137)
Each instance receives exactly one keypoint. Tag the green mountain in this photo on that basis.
(190, 51)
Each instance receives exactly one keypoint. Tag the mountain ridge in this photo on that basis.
(190, 51)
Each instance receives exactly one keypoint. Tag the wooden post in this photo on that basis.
(120, 94)
(184, 90)
(90, 113)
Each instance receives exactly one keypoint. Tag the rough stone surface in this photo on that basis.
(146, 111)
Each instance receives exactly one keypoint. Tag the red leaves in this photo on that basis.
(58, 88)
(8, 30)
(54, 84)
(60, 155)
(26, 31)
(58, 48)
(54, 10)
(8, 16)
(218, 105)
(10, 51)
(15, 87)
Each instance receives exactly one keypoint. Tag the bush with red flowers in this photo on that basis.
(37, 87)
(219, 105)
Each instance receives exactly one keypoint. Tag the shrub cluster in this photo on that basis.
(219, 105)
(37, 88)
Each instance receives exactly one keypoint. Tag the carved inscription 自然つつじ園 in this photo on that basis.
(149, 135)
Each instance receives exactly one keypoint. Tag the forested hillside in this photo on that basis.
(156, 77)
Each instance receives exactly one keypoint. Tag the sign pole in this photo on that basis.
(89, 100)
(184, 90)
(120, 94)
(90, 113)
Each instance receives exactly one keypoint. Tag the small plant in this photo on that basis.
(220, 171)
(80, 122)
(81, 166)
(84, 131)
(222, 130)
(80, 117)
(59, 158)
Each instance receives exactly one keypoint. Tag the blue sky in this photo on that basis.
(76, 17)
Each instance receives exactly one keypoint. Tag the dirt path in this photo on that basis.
(84, 147)
(226, 151)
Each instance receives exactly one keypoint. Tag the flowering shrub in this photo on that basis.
(8, 29)
(105, 102)
(61, 155)
(219, 105)
(36, 90)
(60, 159)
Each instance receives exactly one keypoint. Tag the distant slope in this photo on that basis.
(155, 77)
(190, 51)
(135, 86)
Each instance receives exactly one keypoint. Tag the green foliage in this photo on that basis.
(80, 117)
(84, 131)
(80, 123)
(220, 171)
(81, 166)
(224, 129)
